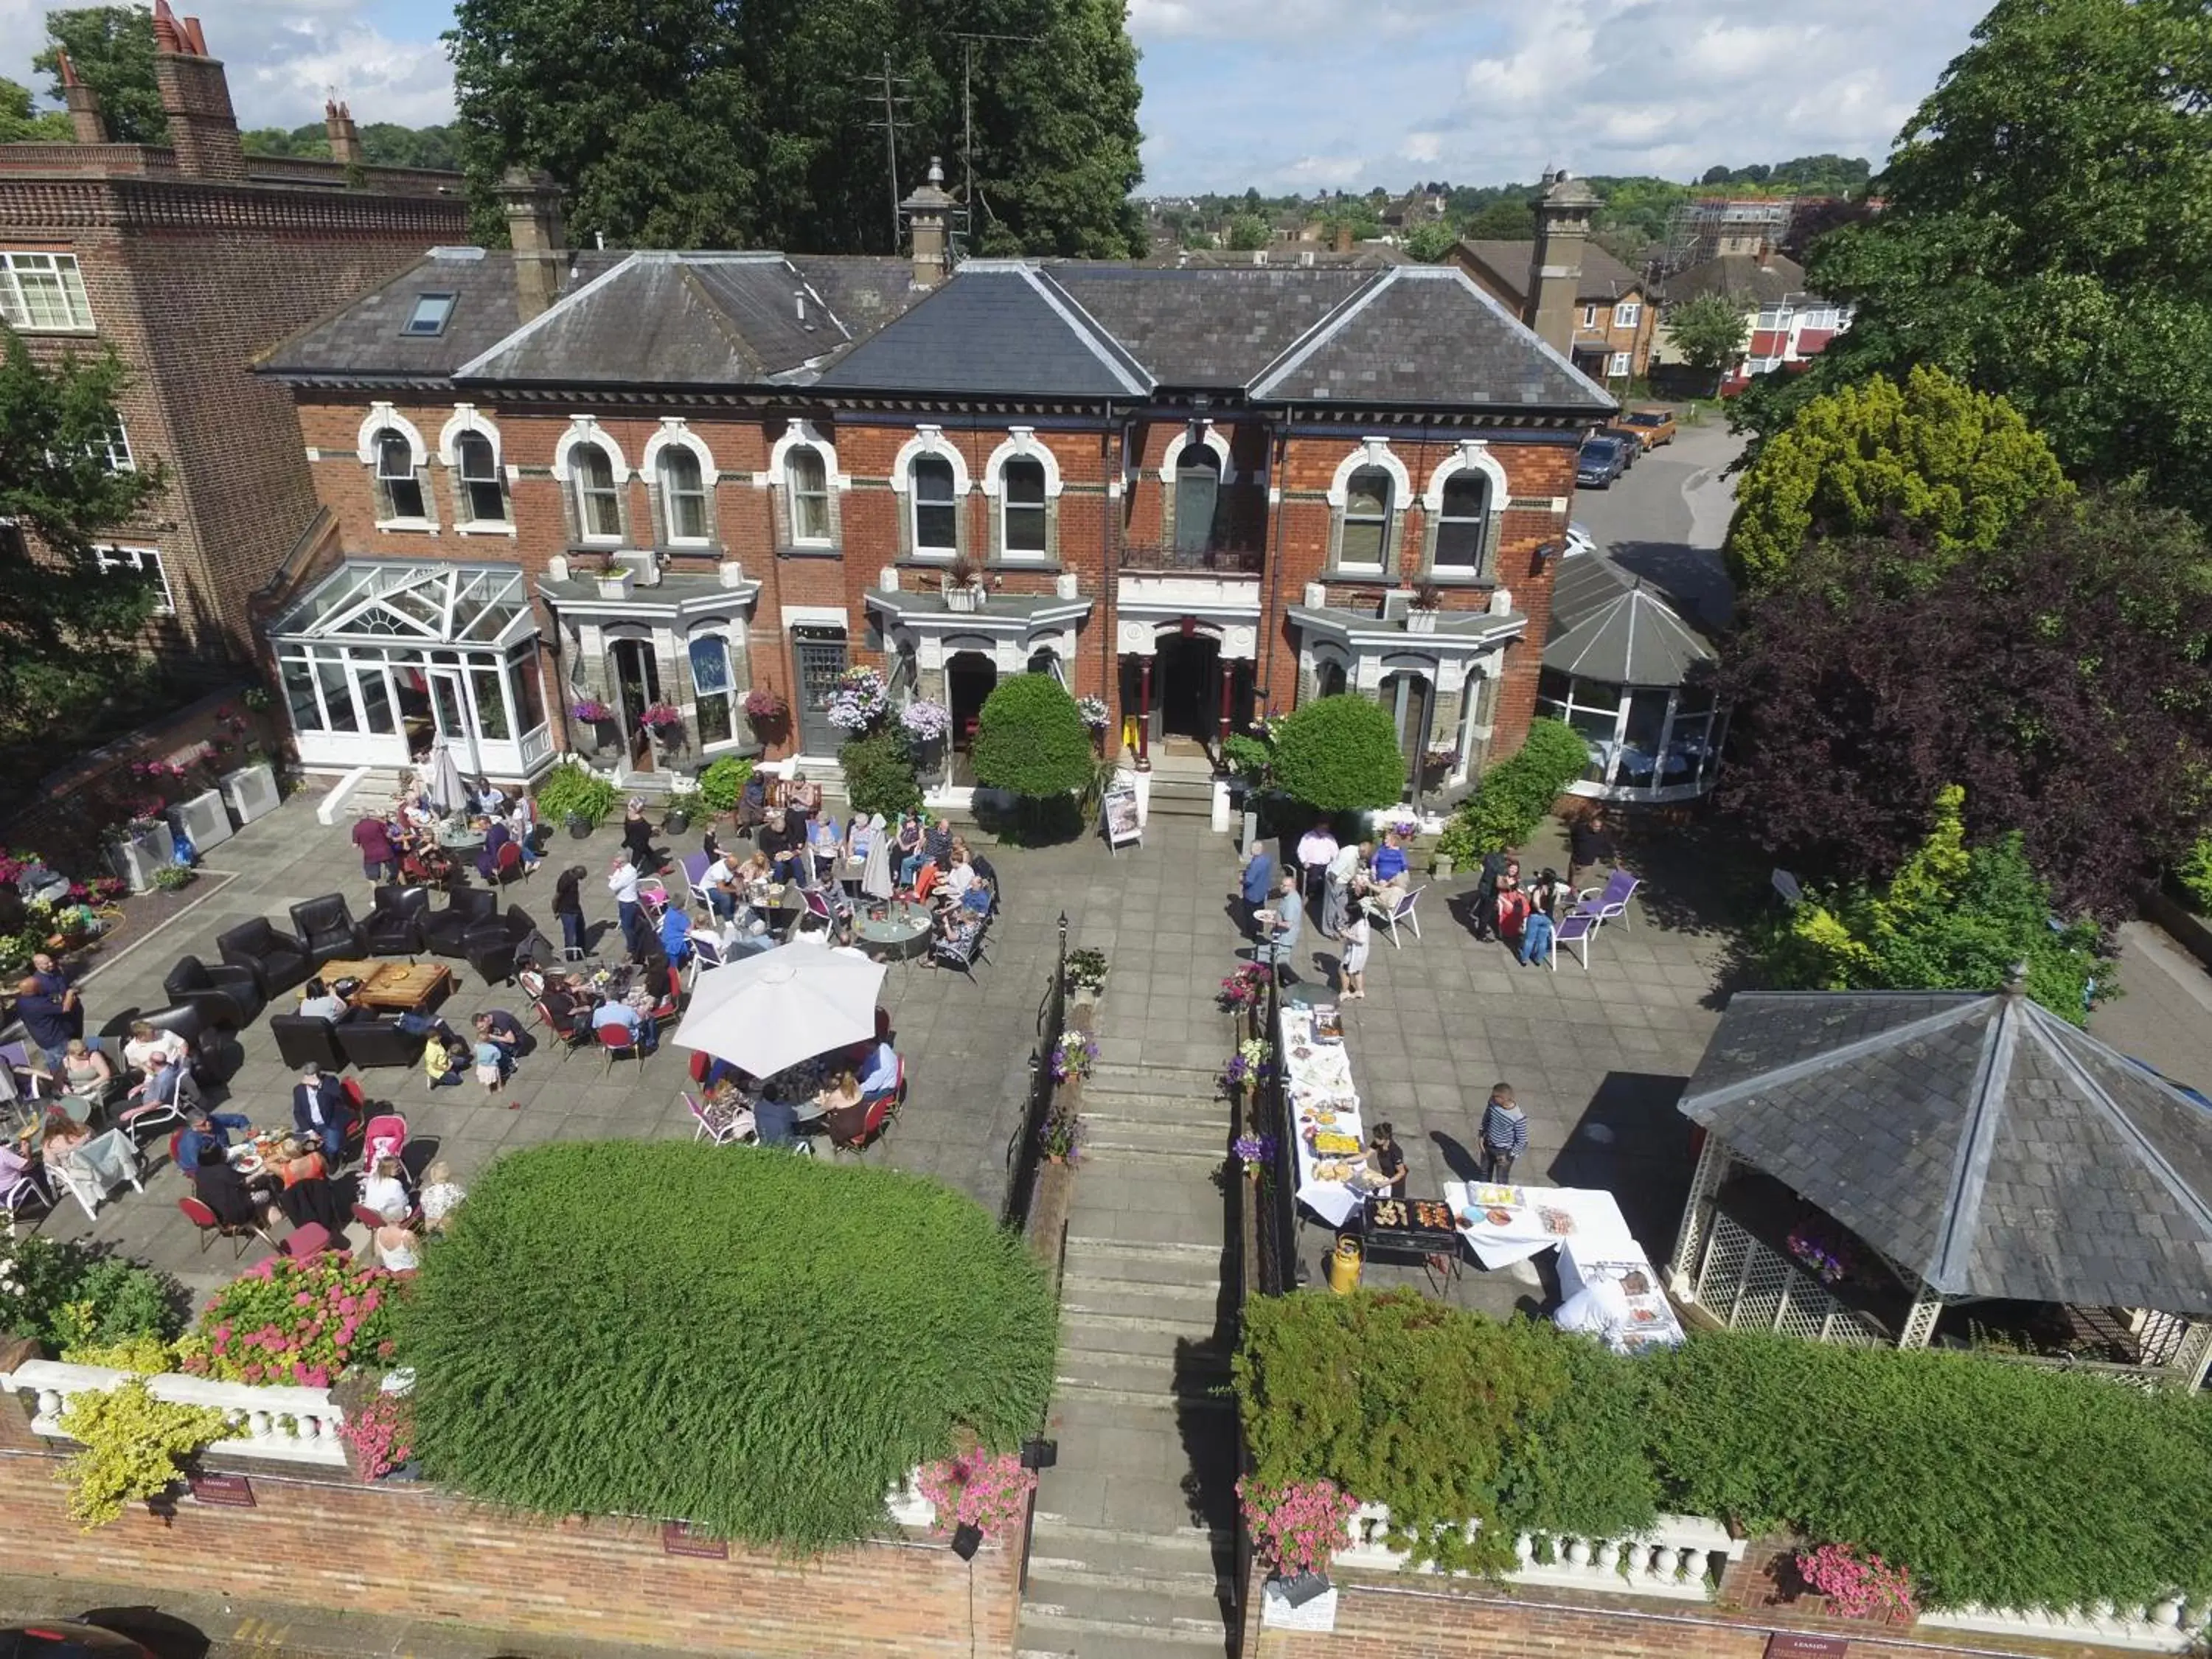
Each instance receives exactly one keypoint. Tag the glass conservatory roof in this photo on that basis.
(417, 604)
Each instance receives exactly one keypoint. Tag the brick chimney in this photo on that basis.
(1555, 263)
(532, 203)
(85, 122)
(196, 98)
(929, 217)
(1344, 239)
(344, 137)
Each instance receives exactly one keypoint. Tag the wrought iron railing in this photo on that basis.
(1024, 1152)
(1247, 560)
(1274, 1195)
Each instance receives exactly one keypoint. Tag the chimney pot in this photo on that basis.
(1564, 211)
(195, 99)
(345, 137)
(929, 219)
(87, 125)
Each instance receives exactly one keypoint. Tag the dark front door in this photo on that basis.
(1186, 687)
(1406, 696)
(821, 658)
(637, 688)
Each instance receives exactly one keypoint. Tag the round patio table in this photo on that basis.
(459, 838)
(901, 932)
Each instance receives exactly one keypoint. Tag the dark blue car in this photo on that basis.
(1602, 459)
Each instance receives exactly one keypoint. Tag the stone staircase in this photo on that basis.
(1133, 1553)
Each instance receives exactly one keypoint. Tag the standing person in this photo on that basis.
(1316, 848)
(54, 980)
(1486, 892)
(780, 845)
(1505, 1134)
(1336, 886)
(1284, 920)
(1387, 1160)
(1351, 969)
(374, 836)
(907, 849)
(319, 1110)
(1512, 906)
(1256, 887)
(629, 914)
(568, 906)
(1589, 844)
(637, 835)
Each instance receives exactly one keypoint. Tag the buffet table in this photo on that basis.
(1324, 1110)
(1504, 1224)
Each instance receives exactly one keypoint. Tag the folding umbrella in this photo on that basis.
(441, 780)
(762, 1014)
(876, 873)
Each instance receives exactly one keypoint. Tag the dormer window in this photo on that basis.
(429, 315)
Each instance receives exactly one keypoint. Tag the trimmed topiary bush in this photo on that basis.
(722, 783)
(1513, 795)
(879, 776)
(759, 1344)
(1030, 739)
(1339, 754)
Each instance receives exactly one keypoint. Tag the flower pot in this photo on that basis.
(1252, 1173)
(615, 584)
(1421, 622)
(676, 821)
(1440, 867)
(580, 825)
(963, 598)
(1086, 995)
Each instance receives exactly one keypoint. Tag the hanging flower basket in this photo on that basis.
(924, 721)
(860, 702)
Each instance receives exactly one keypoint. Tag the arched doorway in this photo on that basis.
(970, 678)
(1186, 686)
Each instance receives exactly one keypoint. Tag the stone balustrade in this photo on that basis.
(2173, 1625)
(282, 1425)
(1681, 1559)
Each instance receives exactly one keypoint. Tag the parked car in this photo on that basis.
(1602, 459)
(1632, 446)
(1579, 540)
(1651, 426)
(64, 1638)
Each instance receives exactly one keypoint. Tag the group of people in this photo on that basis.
(1348, 873)
(622, 1008)
(403, 844)
(775, 1112)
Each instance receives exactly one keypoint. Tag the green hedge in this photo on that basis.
(759, 1344)
(1339, 754)
(67, 1295)
(1513, 795)
(2195, 873)
(1030, 739)
(1997, 1483)
(879, 776)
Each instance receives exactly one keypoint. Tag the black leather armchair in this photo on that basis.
(445, 931)
(372, 1043)
(394, 927)
(304, 1037)
(276, 959)
(228, 995)
(491, 948)
(214, 1056)
(327, 930)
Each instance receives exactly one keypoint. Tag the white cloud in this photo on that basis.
(1422, 146)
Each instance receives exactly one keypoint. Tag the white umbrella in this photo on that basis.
(765, 1013)
(876, 874)
(441, 780)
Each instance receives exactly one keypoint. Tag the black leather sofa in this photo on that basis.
(327, 930)
(304, 1037)
(227, 995)
(369, 1043)
(278, 960)
(394, 927)
(446, 932)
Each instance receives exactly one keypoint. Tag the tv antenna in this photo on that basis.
(895, 100)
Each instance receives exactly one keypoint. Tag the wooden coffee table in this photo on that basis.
(392, 984)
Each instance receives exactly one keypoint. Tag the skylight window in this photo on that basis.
(430, 313)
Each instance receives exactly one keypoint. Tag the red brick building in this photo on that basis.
(189, 259)
(1201, 494)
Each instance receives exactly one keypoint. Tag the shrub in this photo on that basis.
(762, 1345)
(71, 1297)
(133, 1446)
(1339, 754)
(879, 776)
(573, 787)
(300, 1322)
(722, 783)
(1030, 739)
(2195, 873)
(1513, 795)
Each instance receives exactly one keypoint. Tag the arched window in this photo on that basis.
(598, 503)
(683, 495)
(395, 483)
(1463, 523)
(1021, 507)
(1198, 491)
(936, 520)
(806, 481)
(481, 498)
(1328, 679)
(1366, 519)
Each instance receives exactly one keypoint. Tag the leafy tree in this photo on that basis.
(1952, 918)
(879, 776)
(64, 622)
(1247, 231)
(1030, 739)
(1339, 754)
(1431, 242)
(2065, 678)
(1502, 221)
(21, 123)
(113, 50)
(1708, 331)
(1958, 467)
(2031, 247)
(688, 122)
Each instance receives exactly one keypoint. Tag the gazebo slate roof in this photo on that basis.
(1606, 625)
(1975, 1139)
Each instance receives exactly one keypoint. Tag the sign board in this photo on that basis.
(1117, 817)
(677, 1538)
(232, 1491)
(1796, 1644)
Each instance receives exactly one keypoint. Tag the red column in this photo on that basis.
(1144, 713)
(1227, 668)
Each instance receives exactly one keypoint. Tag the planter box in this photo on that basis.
(1421, 622)
(203, 818)
(251, 792)
(137, 860)
(963, 598)
(614, 584)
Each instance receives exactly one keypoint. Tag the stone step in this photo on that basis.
(1058, 1535)
(1079, 1405)
(1108, 1132)
(1095, 1356)
(1195, 1082)
(1135, 1579)
(1105, 1332)
(1190, 1620)
(1097, 1292)
(1199, 1265)
(1137, 1151)
(1116, 1100)
(1197, 1224)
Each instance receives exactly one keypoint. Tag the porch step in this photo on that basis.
(1181, 798)
(1196, 1265)
(1196, 1083)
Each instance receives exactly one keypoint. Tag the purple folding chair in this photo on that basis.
(1575, 930)
(1604, 904)
(694, 865)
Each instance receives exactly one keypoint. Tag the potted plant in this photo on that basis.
(575, 795)
(684, 804)
(663, 722)
(767, 710)
(1060, 1135)
(963, 591)
(1086, 974)
(175, 876)
(613, 579)
(1428, 603)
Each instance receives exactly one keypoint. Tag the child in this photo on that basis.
(1353, 969)
(491, 1065)
(442, 1058)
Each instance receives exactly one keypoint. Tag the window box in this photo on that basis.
(615, 584)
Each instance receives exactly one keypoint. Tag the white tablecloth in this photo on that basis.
(1320, 1079)
(1651, 1316)
(1506, 1224)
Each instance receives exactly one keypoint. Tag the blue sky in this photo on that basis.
(1308, 94)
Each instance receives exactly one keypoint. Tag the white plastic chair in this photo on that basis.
(1390, 912)
(98, 1168)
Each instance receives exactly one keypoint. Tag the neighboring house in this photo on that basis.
(189, 258)
(1784, 326)
(1199, 494)
(1343, 254)
(1614, 314)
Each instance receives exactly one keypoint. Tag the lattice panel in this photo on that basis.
(1723, 1268)
(1805, 1312)
(1765, 1281)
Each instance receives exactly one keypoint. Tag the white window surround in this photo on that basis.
(1021, 443)
(1472, 455)
(1627, 314)
(1372, 451)
(583, 429)
(1589, 316)
(796, 432)
(674, 429)
(379, 417)
(1209, 435)
(57, 282)
(140, 559)
(1621, 360)
(929, 441)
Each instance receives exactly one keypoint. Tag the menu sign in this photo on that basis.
(1117, 817)
(1796, 1644)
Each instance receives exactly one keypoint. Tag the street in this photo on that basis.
(1665, 520)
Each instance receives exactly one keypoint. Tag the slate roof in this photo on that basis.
(1976, 1140)
(1742, 277)
(364, 338)
(1427, 334)
(1204, 325)
(1606, 625)
(1604, 279)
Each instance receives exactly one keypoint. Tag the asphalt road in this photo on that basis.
(1665, 520)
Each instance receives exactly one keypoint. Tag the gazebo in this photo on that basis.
(1984, 1152)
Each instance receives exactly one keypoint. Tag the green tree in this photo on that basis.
(64, 622)
(1502, 221)
(879, 775)
(1247, 231)
(687, 123)
(2031, 247)
(113, 50)
(1030, 739)
(1958, 467)
(1431, 242)
(1708, 331)
(1339, 754)
(21, 122)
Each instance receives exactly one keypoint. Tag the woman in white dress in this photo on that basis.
(1351, 969)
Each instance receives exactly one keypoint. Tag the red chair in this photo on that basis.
(507, 864)
(212, 1227)
(307, 1241)
(671, 999)
(877, 1117)
(701, 1059)
(617, 1041)
(571, 1036)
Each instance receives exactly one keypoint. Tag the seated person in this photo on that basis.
(396, 1250)
(320, 1110)
(85, 1073)
(385, 1193)
(316, 1198)
(496, 835)
(959, 877)
(445, 1057)
(959, 926)
(295, 1161)
(977, 897)
(719, 881)
(752, 801)
(564, 1007)
(781, 845)
(633, 1026)
(906, 849)
(441, 1196)
(163, 1060)
(676, 934)
(205, 1138)
(842, 1108)
(64, 1136)
(1390, 870)
(319, 1001)
(878, 1071)
(238, 1200)
(497, 1025)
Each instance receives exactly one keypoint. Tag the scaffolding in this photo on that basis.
(1709, 226)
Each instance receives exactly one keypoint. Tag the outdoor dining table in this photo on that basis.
(459, 838)
(898, 929)
(1317, 1076)
(1504, 1224)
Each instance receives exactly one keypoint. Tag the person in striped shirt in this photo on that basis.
(1505, 1134)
